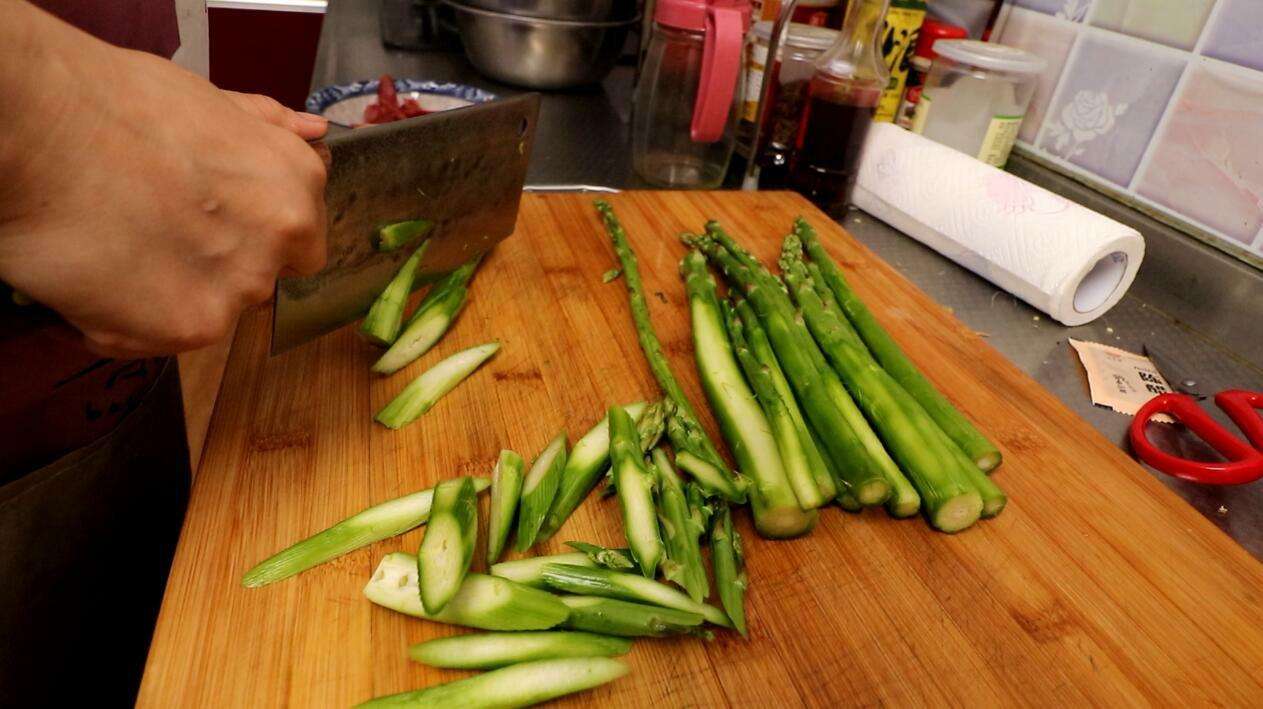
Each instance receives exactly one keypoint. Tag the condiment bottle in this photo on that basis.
(844, 90)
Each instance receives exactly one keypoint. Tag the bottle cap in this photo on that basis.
(932, 31)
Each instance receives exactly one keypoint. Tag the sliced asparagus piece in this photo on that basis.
(517, 685)
(588, 459)
(385, 316)
(448, 546)
(427, 389)
(400, 234)
(635, 486)
(506, 490)
(888, 353)
(687, 434)
(729, 565)
(530, 571)
(538, 491)
(372, 525)
(614, 617)
(431, 320)
(605, 557)
(627, 587)
(680, 531)
(487, 651)
(486, 602)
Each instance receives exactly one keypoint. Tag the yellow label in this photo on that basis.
(898, 37)
(998, 142)
(921, 115)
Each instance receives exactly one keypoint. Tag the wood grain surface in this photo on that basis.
(1095, 586)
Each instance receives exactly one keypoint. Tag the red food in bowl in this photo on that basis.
(388, 106)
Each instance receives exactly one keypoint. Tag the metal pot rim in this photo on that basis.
(524, 19)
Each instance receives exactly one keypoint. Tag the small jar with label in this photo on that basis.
(975, 97)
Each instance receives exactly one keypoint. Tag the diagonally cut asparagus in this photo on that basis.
(605, 557)
(385, 316)
(517, 685)
(729, 565)
(530, 571)
(374, 524)
(538, 490)
(611, 616)
(635, 485)
(394, 236)
(427, 389)
(627, 587)
(486, 651)
(448, 546)
(680, 531)
(431, 320)
(887, 352)
(506, 491)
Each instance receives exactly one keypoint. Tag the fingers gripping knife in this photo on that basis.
(461, 169)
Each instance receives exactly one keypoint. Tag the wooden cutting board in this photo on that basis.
(1096, 585)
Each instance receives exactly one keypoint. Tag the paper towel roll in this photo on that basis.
(1060, 257)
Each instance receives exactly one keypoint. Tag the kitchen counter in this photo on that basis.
(1189, 301)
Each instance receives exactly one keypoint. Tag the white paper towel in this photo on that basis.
(1060, 257)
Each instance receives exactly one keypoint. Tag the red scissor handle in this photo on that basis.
(1245, 462)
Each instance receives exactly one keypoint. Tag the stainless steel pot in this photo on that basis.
(539, 53)
(576, 10)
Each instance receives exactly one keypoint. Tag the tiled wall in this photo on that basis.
(1159, 102)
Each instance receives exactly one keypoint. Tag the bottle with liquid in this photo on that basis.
(842, 96)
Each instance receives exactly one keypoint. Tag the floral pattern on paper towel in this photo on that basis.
(1012, 195)
(1089, 116)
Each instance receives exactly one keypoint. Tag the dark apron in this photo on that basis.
(85, 546)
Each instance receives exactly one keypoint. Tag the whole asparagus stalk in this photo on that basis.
(951, 502)
(430, 321)
(635, 486)
(687, 434)
(385, 316)
(729, 565)
(792, 345)
(683, 563)
(887, 352)
(777, 512)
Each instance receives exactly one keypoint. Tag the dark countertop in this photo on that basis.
(1188, 300)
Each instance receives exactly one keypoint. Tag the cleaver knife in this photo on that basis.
(462, 169)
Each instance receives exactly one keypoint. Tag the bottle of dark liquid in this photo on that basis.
(844, 91)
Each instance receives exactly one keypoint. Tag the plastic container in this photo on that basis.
(689, 94)
(919, 65)
(975, 97)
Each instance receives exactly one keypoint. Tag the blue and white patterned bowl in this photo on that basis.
(344, 104)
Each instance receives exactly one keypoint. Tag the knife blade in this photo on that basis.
(462, 169)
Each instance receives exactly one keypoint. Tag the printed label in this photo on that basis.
(754, 82)
(898, 37)
(998, 142)
(1118, 379)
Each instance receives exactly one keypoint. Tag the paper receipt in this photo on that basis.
(1118, 379)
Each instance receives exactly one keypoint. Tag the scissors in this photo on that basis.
(1244, 462)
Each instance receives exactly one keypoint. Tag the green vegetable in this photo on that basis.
(518, 685)
(587, 461)
(614, 617)
(372, 525)
(627, 587)
(605, 557)
(486, 602)
(887, 352)
(506, 490)
(611, 275)
(635, 486)
(385, 316)
(485, 651)
(729, 566)
(538, 491)
(448, 546)
(684, 430)
(530, 571)
(399, 234)
(425, 391)
(431, 320)
(680, 531)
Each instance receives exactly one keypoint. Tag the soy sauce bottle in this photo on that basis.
(842, 96)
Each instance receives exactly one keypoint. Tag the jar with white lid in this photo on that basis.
(976, 96)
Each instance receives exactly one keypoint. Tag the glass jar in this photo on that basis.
(975, 97)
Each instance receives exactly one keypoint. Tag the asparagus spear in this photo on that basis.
(486, 651)
(611, 616)
(627, 587)
(517, 685)
(686, 433)
(589, 457)
(381, 325)
(431, 320)
(374, 524)
(797, 468)
(605, 557)
(539, 489)
(486, 602)
(530, 571)
(887, 352)
(794, 348)
(952, 503)
(635, 492)
(506, 491)
(399, 234)
(427, 389)
(729, 565)
(777, 512)
(680, 531)
(448, 547)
